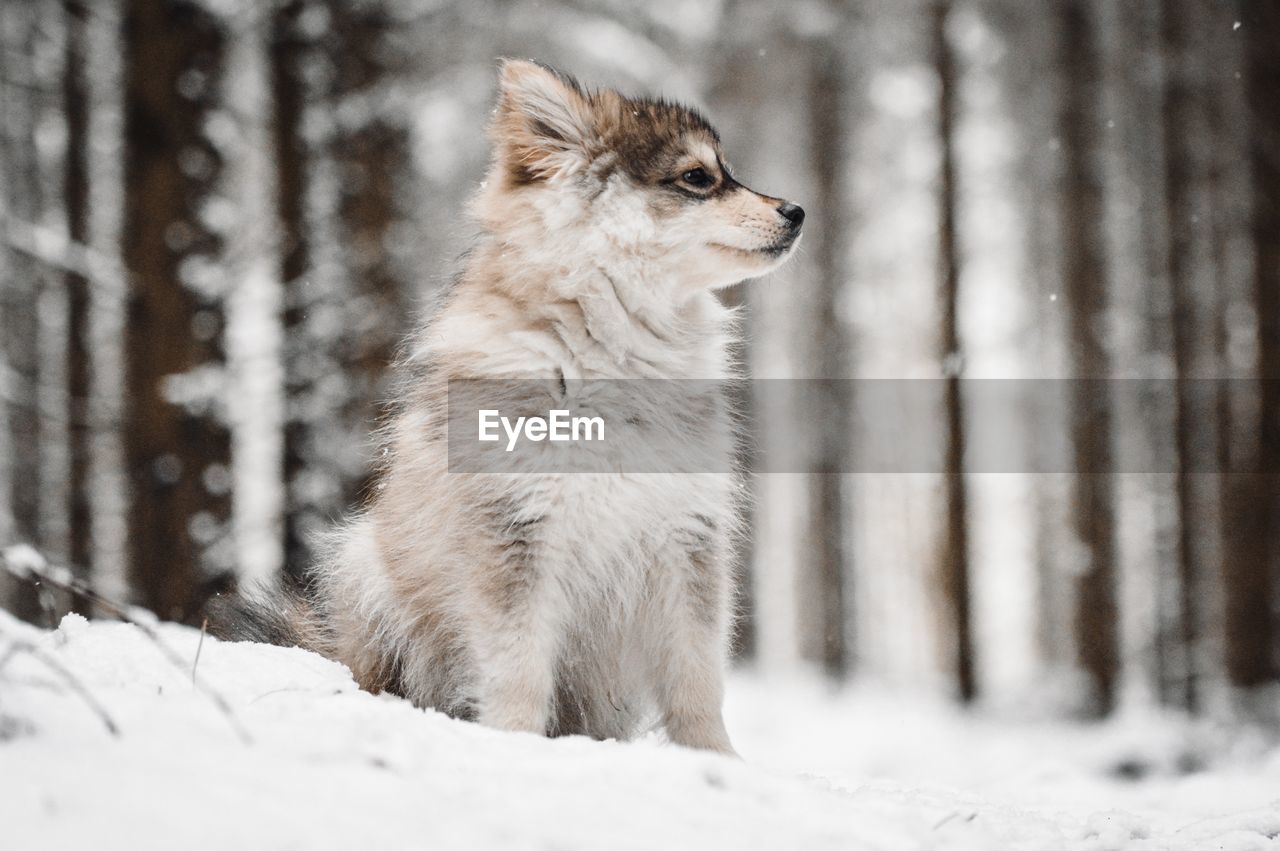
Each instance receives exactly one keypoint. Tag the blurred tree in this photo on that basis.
(78, 333)
(9, 589)
(1032, 85)
(1192, 286)
(1084, 278)
(370, 151)
(1139, 292)
(1252, 562)
(26, 98)
(290, 46)
(176, 440)
(954, 570)
(830, 407)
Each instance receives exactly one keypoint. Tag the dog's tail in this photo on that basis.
(285, 613)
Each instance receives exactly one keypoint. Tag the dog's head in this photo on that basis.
(625, 182)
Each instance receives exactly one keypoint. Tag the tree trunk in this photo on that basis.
(1253, 536)
(1140, 298)
(176, 443)
(288, 88)
(954, 556)
(1084, 284)
(830, 415)
(19, 312)
(372, 159)
(1190, 289)
(76, 199)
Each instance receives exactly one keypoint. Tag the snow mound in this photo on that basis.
(305, 760)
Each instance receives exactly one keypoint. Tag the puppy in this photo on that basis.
(594, 603)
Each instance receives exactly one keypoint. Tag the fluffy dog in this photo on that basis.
(595, 604)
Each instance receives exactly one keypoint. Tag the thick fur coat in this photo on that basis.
(594, 604)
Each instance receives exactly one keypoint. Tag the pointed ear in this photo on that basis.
(542, 127)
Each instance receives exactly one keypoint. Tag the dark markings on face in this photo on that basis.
(657, 144)
(660, 144)
(653, 138)
(654, 142)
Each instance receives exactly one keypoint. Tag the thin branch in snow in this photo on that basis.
(73, 682)
(954, 814)
(28, 565)
(204, 627)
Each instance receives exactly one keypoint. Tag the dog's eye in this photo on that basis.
(697, 178)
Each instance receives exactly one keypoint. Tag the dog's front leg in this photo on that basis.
(689, 642)
(516, 641)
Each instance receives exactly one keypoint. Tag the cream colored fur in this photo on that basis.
(594, 604)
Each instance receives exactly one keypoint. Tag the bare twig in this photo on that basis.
(63, 671)
(954, 814)
(204, 626)
(28, 565)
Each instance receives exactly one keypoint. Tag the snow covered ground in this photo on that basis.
(328, 766)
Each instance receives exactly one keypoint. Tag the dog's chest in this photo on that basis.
(615, 528)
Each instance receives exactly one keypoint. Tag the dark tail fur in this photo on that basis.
(286, 614)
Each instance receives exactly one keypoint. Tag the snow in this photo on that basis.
(329, 766)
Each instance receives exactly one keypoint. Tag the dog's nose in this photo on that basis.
(793, 213)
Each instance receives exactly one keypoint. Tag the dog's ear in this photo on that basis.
(542, 127)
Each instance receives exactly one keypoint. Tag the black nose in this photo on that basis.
(793, 213)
